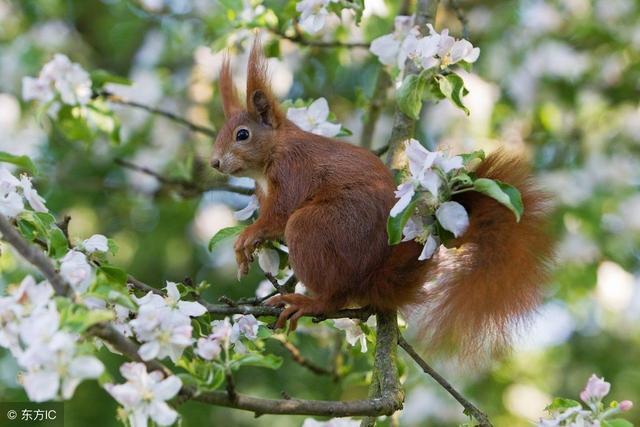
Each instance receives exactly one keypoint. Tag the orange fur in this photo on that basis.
(330, 201)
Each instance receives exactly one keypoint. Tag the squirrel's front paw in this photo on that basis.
(245, 246)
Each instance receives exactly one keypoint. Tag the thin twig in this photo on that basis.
(378, 98)
(190, 188)
(259, 310)
(469, 407)
(297, 357)
(230, 386)
(33, 255)
(169, 115)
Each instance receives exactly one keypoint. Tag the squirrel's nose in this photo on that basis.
(215, 163)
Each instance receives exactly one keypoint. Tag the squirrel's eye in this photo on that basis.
(242, 135)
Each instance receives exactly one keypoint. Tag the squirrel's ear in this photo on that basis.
(261, 103)
(228, 93)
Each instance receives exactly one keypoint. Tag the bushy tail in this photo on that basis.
(481, 291)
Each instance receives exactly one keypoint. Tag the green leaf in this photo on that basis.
(452, 86)
(560, 404)
(224, 234)
(104, 119)
(23, 162)
(469, 157)
(114, 274)
(344, 132)
(270, 361)
(397, 223)
(101, 77)
(616, 422)
(78, 318)
(58, 245)
(73, 125)
(503, 193)
(409, 95)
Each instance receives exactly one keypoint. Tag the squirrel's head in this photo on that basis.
(247, 138)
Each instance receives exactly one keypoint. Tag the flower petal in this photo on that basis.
(162, 413)
(167, 388)
(191, 308)
(430, 247)
(453, 217)
(149, 350)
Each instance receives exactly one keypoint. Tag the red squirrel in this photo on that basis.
(330, 201)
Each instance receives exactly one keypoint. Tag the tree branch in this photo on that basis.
(470, 409)
(403, 125)
(33, 255)
(169, 115)
(378, 98)
(260, 310)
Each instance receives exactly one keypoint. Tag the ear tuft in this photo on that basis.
(261, 102)
(229, 94)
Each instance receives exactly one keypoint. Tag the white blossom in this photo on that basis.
(20, 303)
(144, 395)
(76, 271)
(314, 118)
(595, 390)
(96, 243)
(11, 203)
(353, 331)
(53, 366)
(244, 325)
(169, 338)
(453, 217)
(433, 50)
(59, 78)
(387, 47)
(313, 14)
(222, 330)
(156, 306)
(208, 348)
(451, 51)
(31, 195)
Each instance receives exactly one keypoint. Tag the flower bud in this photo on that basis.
(625, 405)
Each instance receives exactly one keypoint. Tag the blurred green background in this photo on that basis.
(559, 79)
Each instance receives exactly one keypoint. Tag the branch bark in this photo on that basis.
(378, 98)
(403, 125)
(34, 255)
